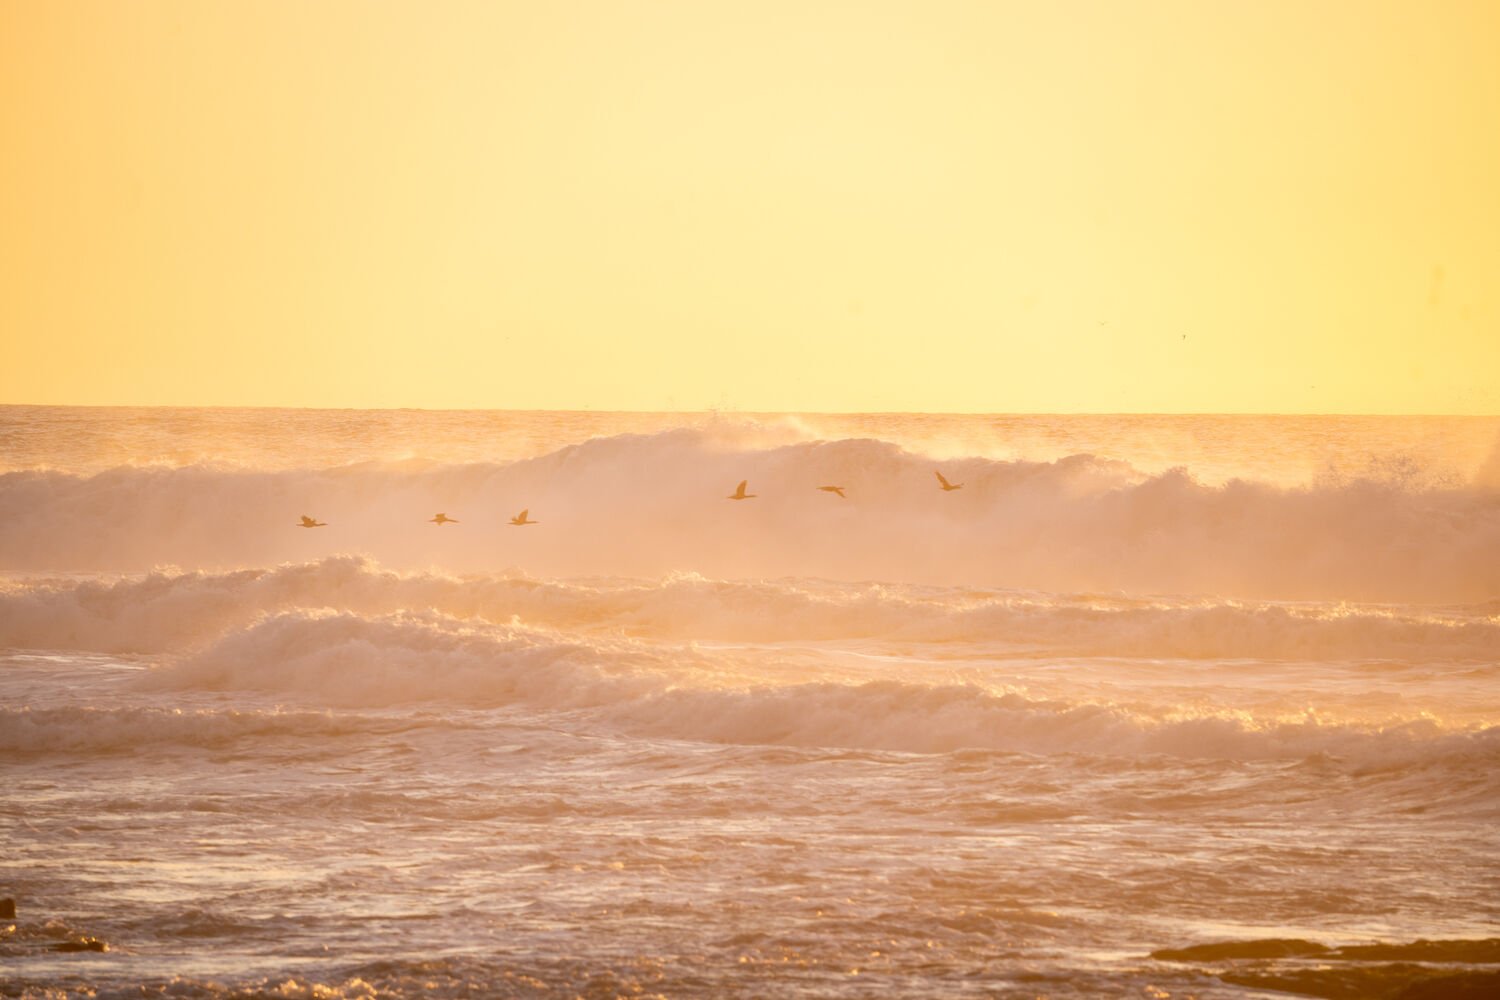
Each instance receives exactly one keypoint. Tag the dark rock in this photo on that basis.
(1268, 948)
(1483, 950)
(1397, 981)
(1328, 984)
(1461, 986)
(1396, 971)
(7, 909)
(82, 944)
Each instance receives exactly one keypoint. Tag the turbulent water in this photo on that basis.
(1143, 685)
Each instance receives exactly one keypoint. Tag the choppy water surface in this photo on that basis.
(1143, 684)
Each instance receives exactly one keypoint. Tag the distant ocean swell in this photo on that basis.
(647, 505)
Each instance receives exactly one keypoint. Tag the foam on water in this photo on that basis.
(168, 611)
(651, 504)
(1143, 683)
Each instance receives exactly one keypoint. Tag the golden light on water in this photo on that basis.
(834, 206)
(1084, 579)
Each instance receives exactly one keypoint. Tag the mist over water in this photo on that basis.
(1371, 524)
(1142, 683)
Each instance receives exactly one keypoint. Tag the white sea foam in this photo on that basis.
(165, 611)
(350, 661)
(646, 505)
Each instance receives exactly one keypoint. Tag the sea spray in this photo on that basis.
(648, 505)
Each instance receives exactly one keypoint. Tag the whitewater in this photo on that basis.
(1154, 706)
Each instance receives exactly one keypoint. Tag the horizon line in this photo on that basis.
(740, 410)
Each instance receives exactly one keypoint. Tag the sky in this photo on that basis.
(813, 206)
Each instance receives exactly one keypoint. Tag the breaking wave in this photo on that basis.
(174, 611)
(348, 661)
(647, 505)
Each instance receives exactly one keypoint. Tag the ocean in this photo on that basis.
(1151, 706)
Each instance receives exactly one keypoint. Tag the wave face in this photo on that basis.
(343, 661)
(172, 611)
(718, 662)
(349, 661)
(648, 505)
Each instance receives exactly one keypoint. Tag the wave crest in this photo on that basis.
(174, 612)
(348, 661)
(649, 504)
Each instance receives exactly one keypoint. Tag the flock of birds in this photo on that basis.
(521, 520)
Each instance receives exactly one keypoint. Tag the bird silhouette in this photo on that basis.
(834, 489)
(739, 492)
(443, 519)
(308, 522)
(947, 486)
(520, 519)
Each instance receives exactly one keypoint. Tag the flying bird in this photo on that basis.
(520, 519)
(739, 492)
(834, 489)
(308, 522)
(947, 486)
(443, 519)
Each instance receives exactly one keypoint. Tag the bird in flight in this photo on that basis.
(739, 492)
(443, 519)
(520, 519)
(309, 522)
(834, 489)
(947, 486)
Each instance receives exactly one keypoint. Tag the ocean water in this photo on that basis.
(1164, 706)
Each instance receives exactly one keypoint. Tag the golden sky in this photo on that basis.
(925, 205)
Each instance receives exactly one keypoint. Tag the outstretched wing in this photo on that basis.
(741, 487)
(522, 516)
(941, 480)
